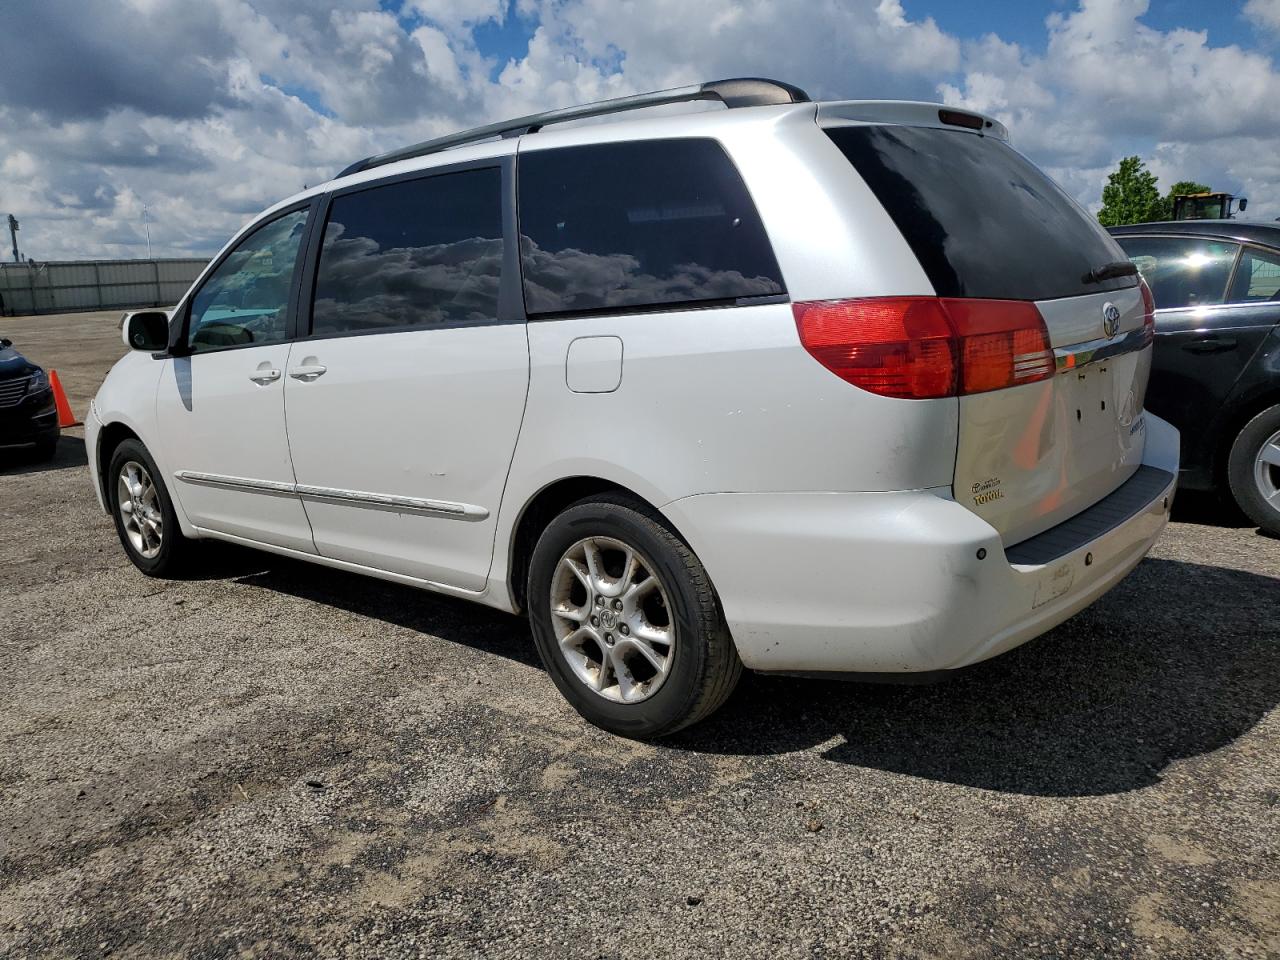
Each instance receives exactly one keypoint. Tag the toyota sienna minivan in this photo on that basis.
(819, 388)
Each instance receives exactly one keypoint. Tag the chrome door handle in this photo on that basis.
(265, 376)
(308, 372)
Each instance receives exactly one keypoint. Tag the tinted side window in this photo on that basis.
(1182, 271)
(629, 225)
(982, 219)
(415, 253)
(1257, 278)
(245, 301)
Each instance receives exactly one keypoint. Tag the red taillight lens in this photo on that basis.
(896, 347)
(1003, 343)
(924, 347)
(1149, 311)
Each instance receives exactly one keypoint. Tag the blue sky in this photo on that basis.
(1023, 22)
(100, 114)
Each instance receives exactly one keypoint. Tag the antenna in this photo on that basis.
(147, 226)
(13, 235)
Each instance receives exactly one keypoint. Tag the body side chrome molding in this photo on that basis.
(1091, 351)
(445, 508)
(235, 483)
(375, 501)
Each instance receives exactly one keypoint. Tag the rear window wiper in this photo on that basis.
(1111, 271)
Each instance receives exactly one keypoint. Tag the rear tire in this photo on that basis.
(143, 512)
(601, 641)
(1253, 470)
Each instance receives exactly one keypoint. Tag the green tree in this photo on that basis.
(1130, 195)
(1181, 187)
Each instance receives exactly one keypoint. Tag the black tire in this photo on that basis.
(1241, 474)
(705, 666)
(175, 549)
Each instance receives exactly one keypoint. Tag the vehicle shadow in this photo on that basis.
(18, 461)
(1179, 660)
(1209, 509)
(449, 618)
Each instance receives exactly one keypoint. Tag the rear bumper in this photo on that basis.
(893, 582)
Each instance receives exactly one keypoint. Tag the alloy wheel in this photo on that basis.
(139, 506)
(1266, 470)
(612, 619)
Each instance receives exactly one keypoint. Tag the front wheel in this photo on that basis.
(143, 512)
(1253, 470)
(626, 620)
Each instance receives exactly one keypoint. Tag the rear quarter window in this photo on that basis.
(645, 224)
(982, 219)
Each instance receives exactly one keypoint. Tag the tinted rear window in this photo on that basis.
(981, 218)
(642, 224)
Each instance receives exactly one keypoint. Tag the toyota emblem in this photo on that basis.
(1110, 319)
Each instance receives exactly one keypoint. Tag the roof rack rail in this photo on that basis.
(734, 92)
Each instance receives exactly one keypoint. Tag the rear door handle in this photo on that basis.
(263, 377)
(308, 372)
(1210, 345)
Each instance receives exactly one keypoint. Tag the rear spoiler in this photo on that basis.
(911, 112)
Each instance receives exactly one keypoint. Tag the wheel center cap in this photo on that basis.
(608, 618)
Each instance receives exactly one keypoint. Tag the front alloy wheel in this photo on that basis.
(143, 512)
(139, 506)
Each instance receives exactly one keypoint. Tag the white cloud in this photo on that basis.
(458, 13)
(99, 115)
(1263, 13)
(1107, 85)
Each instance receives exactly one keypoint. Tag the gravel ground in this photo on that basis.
(278, 759)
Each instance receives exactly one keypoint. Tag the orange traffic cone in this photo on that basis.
(65, 417)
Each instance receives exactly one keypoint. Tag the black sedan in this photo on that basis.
(1216, 372)
(28, 416)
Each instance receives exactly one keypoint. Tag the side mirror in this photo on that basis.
(146, 330)
(5, 343)
(1244, 204)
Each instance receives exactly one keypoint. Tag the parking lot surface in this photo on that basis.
(276, 759)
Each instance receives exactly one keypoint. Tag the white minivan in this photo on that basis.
(842, 387)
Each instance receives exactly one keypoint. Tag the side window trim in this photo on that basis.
(510, 250)
(1231, 275)
(180, 331)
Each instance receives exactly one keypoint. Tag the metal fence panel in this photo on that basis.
(27, 288)
(178, 271)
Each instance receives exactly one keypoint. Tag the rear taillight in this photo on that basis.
(1148, 312)
(923, 347)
